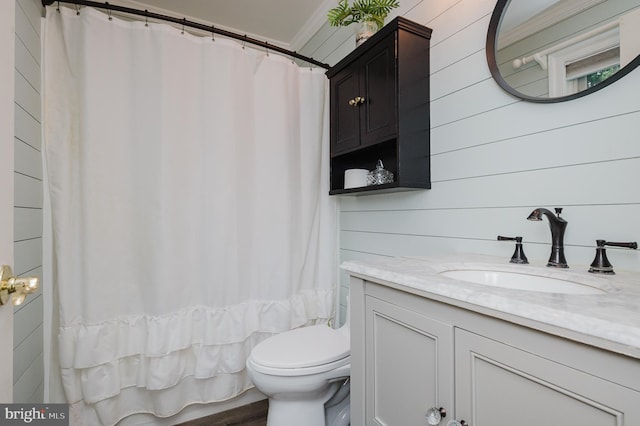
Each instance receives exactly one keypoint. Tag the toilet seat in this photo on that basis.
(307, 350)
(339, 368)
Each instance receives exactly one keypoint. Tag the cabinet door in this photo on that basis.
(345, 119)
(378, 86)
(500, 385)
(408, 365)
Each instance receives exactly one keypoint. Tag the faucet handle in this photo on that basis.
(632, 245)
(518, 254)
(558, 211)
(601, 264)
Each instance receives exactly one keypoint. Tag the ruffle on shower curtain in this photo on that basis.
(190, 213)
(160, 364)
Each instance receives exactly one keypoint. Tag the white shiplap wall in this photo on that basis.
(28, 337)
(495, 158)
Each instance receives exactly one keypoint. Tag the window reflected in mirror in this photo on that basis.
(555, 50)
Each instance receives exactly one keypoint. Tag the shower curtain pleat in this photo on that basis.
(188, 184)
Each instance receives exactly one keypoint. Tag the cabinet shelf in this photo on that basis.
(376, 189)
(380, 109)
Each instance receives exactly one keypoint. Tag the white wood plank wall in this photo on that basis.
(495, 158)
(28, 374)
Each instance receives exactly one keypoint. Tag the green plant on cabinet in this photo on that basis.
(361, 11)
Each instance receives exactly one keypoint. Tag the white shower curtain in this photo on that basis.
(189, 209)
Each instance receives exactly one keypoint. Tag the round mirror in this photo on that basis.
(557, 50)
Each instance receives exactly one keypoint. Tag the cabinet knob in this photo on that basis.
(358, 100)
(435, 415)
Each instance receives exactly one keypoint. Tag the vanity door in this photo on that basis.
(408, 364)
(501, 385)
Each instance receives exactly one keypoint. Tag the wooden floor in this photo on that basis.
(254, 414)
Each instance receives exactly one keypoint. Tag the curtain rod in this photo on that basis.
(187, 23)
(541, 57)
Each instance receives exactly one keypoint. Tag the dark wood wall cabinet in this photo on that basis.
(380, 109)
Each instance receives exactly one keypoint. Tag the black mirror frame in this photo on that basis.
(495, 72)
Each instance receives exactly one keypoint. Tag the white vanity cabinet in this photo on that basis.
(411, 353)
(498, 385)
(409, 358)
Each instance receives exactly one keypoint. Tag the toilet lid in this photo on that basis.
(302, 347)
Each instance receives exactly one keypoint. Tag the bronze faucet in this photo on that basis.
(558, 226)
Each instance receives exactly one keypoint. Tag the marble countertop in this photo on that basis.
(610, 320)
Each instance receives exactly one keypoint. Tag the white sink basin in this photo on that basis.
(520, 281)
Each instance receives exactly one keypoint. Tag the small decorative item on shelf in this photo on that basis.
(355, 178)
(368, 14)
(379, 176)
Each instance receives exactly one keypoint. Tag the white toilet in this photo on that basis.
(305, 373)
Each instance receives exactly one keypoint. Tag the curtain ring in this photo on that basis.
(183, 22)
(293, 58)
(58, 7)
(244, 41)
(146, 18)
(266, 47)
(77, 9)
(108, 10)
(213, 32)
